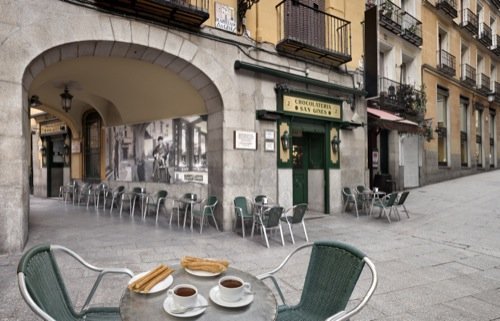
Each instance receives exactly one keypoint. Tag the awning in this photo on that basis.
(387, 120)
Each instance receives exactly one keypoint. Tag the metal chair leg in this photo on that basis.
(305, 231)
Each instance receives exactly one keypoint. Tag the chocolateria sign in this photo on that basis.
(311, 107)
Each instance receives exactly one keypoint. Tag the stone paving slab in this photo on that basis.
(443, 263)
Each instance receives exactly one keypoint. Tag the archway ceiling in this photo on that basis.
(123, 91)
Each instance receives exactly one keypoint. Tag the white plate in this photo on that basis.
(201, 273)
(215, 297)
(160, 286)
(168, 304)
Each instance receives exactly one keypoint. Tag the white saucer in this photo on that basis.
(215, 297)
(168, 305)
(160, 286)
(202, 273)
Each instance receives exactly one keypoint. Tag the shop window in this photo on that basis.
(492, 140)
(479, 139)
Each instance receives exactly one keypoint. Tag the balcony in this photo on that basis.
(446, 63)
(400, 98)
(469, 21)
(390, 16)
(496, 86)
(308, 33)
(496, 3)
(468, 76)
(483, 84)
(189, 14)
(412, 29)
(496, 45)
(485, 35)
(449, 7)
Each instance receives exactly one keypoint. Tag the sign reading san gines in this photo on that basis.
(311, 107)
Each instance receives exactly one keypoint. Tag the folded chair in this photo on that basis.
(43, 289)
(295, 215)
(334, 269)
(243, 211)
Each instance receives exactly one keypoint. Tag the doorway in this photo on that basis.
(308, 160)
(92, 147)
(55, 164)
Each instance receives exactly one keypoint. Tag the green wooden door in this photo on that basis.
(299, 159)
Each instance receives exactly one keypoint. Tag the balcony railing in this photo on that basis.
(183, 13)
(485, 34)
(496, 45)
(412, 29)
(468, 75)
(390, 16)
(449, 7)
(312, 34)
(446, 62)
(401, 98)
(469, 21)
(483, 83)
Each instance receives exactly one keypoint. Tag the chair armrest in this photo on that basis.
(102, 271)
(276, 285)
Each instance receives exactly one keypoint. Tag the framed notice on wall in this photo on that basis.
(75, 146)
(245, 140)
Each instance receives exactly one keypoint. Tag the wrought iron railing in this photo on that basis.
(468, 74)
(446, 62)
(412, 29)
(496, 45)
(313, 34)
(400, 97)
(469, 21)
(390, 16)
(448, 6)
(483, 82)
(485, 34)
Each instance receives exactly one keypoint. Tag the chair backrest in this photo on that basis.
(272, 216)
(334, 269)
(403, 197)
(120, 189)
(360, 189)
(44, 283)
(391, 199)
(299, 211)
(212, 201)
(161, 195)
(240, 202)
(259, 198)
(347, 193)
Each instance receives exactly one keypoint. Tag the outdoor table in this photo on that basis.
(190, 202)
(136, 306)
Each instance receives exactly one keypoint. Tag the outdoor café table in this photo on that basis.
(142, 307)
(189, 203)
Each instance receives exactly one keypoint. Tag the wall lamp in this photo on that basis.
(285, 140)
(34, 101)
(335, 143)
(491, 97)
(66, 98)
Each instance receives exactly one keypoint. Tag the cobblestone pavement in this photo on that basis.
(442, 263)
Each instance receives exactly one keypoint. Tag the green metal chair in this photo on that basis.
(116, 196)
(334, 269)
(386, 203)
(296, 217)
(243, 211)
(348, 197)
(207, 208)
(43, 289)
(156, 201)
(270, 220)
(400, 202)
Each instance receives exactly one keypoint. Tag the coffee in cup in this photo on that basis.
(184, 295)
(232, 288)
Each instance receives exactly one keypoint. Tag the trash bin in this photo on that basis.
(384, 182)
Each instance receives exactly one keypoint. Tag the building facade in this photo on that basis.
(460, 58)
(223, 98)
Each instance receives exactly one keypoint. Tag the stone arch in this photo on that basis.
(30, 45)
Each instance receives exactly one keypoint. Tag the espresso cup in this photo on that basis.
(184, 295)
(232, 288)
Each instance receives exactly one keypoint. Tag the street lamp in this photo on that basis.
(285, 140)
